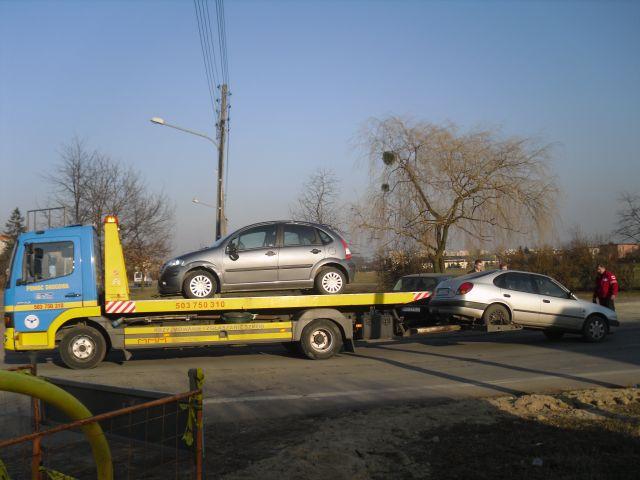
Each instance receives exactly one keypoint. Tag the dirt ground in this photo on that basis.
(585, 434)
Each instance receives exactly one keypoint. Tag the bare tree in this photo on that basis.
(429, 181)
(92, 185)
(318, 199)
(629, 217)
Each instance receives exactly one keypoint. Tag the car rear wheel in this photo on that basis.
(496, 314)
(82, 347)
(199, 284)
(553, 334)
(595, 329)
(330, 281)
(321, 339)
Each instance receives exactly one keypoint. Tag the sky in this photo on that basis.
(304, 77)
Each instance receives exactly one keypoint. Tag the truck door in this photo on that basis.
(50, 282)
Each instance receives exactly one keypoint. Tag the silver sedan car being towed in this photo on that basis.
(527, 299)
(278, 255)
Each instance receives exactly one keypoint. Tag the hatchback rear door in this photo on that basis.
(301, 249)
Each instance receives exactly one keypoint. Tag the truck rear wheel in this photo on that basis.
(82, 347)
(321, 339)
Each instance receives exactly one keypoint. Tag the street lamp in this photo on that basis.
(220, 214)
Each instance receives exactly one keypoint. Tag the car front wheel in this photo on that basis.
(595, 329)
(199, 284)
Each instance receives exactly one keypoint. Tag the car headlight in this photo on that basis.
(176, 262)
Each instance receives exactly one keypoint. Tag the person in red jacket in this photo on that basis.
(606, 289)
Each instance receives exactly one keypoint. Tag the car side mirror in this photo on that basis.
(232, 251)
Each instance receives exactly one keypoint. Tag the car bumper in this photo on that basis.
(463, 308)
(170, 281)
(614, 323)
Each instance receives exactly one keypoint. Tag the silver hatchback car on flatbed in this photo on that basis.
(527, 299)
(277, 255)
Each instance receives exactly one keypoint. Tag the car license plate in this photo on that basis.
(411, 309)
(443, 292)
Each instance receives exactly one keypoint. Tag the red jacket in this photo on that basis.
(606, 285)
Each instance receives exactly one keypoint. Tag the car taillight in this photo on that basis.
(347, 252)
(464, 288)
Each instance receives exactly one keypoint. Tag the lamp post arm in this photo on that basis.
(193, 132)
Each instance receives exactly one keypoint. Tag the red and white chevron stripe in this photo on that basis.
(421, 295)
(120, 307)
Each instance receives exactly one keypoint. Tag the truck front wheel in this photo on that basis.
(320, 339)
(82, 347)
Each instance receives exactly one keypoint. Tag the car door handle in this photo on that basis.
(546, 301)
(72, 295)
(270, 253)
(315, 250)
(506, 295)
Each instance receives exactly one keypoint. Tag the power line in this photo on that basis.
(210, 78)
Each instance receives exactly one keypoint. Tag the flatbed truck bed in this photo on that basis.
(82, 308)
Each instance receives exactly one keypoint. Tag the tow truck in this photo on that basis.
(61, 295)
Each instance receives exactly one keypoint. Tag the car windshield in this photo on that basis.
(417, 284)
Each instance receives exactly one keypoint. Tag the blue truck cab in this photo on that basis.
(51, 272)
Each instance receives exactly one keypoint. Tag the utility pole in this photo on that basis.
(221, 224)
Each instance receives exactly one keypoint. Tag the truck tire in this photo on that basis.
(496, 314)
(82, 347)
(199, 284)
(595, 329)
(321, 339)
(330, 281)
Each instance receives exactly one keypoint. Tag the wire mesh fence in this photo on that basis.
(161, 438)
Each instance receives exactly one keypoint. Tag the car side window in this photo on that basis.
(296, 235)
(519, 282)
(324, 237)
(550, 288)
(257, 237)
(45, 261)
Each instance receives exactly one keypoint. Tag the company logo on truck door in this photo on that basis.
(120, 307)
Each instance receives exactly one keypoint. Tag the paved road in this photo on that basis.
(244, 382)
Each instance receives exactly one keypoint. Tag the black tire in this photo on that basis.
(496, 314)
(595, 329)
(330, 281)
(553, 334)
(199, 284)
(321, 339)
(82, 347)
(292, 347)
